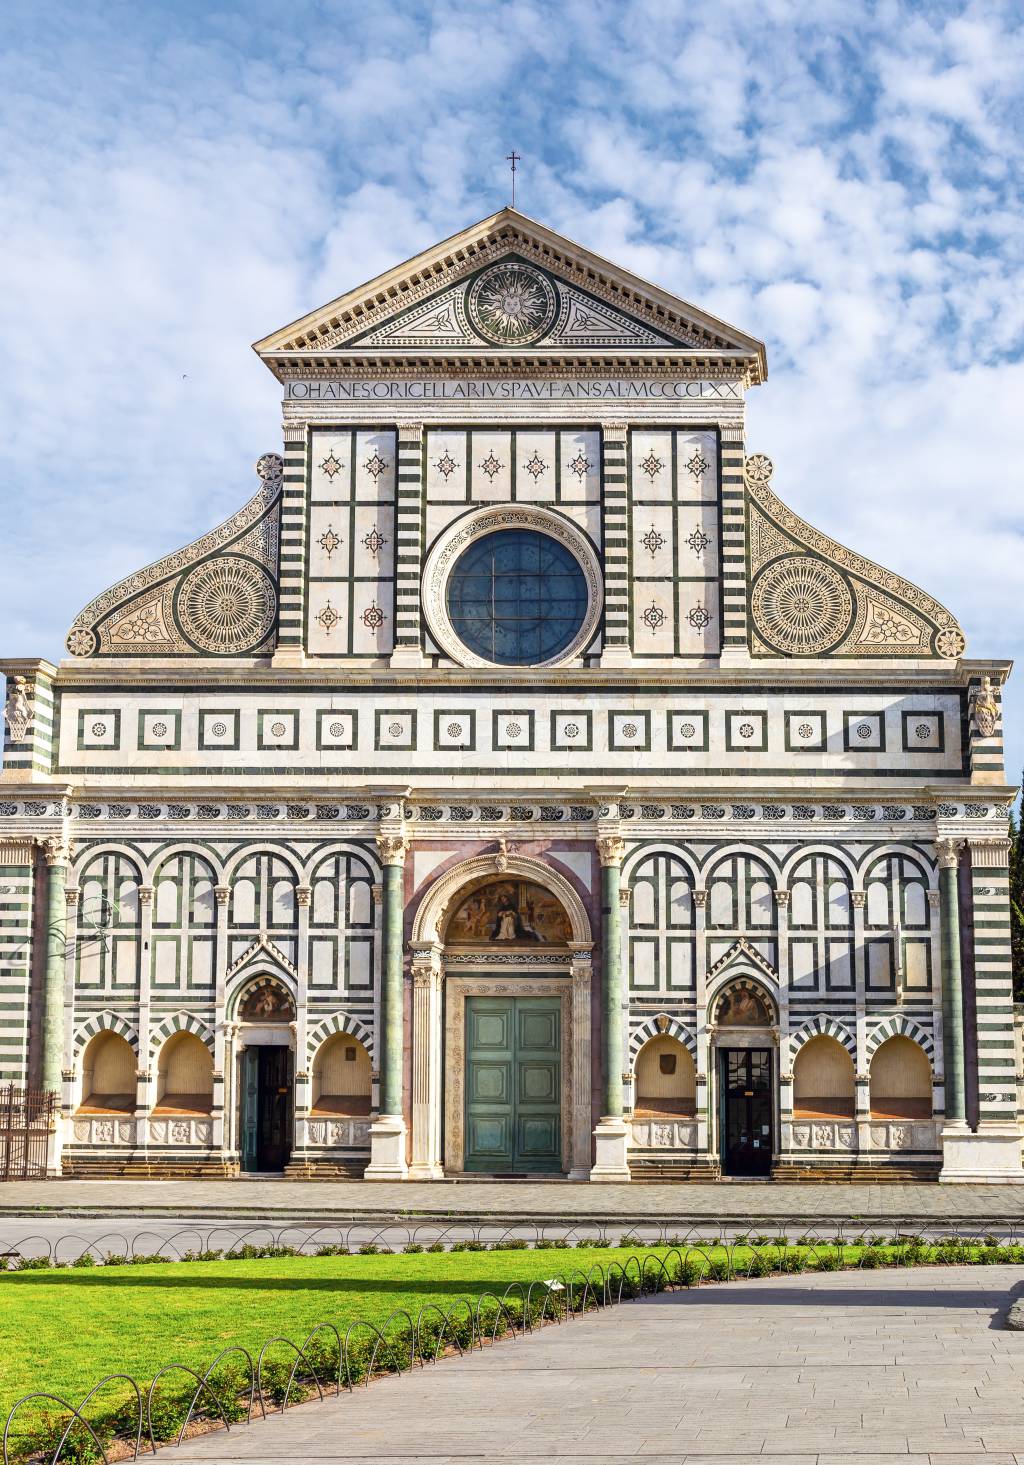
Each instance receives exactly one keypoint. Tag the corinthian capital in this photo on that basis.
(949, 852)
(611, 848)
(393, 848)
(58, 849)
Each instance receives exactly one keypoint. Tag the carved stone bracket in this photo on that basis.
(222, 894)
(303, 894)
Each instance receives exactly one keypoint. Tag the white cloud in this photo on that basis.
(845, 181)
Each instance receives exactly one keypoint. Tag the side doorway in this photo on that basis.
(746, 1110)
(267, 1107)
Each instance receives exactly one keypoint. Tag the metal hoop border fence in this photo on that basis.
(199, 1243)
(568, 1293)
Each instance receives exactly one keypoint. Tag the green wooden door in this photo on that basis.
(513, 1085)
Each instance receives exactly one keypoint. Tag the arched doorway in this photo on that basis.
(501, 1022)
(742, 1029)
(265, 1019)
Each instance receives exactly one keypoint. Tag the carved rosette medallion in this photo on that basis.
(512, 304)
(227, 605)
(801, 606)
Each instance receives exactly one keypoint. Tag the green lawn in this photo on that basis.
(63, 1330)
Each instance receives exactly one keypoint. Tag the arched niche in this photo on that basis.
(900, 1081)
(666, 1079)
(506, 910)
(823, 1081)
(742, 1004)
(108, 1076)
(449, 889)
(265, 1001)
(342, 1077)
(184, 1076)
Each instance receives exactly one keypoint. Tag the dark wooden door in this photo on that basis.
(745, 1077)
(274, 1136)
(266, 1111)
(513, 1120)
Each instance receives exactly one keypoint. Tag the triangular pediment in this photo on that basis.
(510, 284)
(742, 951)
(263, 950)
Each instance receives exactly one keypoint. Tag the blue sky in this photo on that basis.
(841, 179)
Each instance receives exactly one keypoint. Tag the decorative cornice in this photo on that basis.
(426, 275)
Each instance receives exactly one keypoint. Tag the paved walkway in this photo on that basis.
(292, 1200)
(862, 1368)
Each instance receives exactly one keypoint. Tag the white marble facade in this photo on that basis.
(756, 789)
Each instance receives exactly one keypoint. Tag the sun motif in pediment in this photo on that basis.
(512, 304)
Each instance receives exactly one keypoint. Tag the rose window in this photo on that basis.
(517, 597)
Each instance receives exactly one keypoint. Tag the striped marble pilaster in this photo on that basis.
(615, 544)
(993, 984)
(17, 861)
(34, 751)
(987, 760)
(291, 638)
(734, 551)
(408, 650)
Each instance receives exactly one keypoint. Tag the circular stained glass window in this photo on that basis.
(517, 597)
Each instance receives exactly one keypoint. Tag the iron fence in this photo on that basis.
(27, 1118)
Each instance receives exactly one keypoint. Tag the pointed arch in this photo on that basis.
(900, 1026)
(105, 1022)
(339, 1022)
(650, 1029)
(823, 1027)
(180, 1022)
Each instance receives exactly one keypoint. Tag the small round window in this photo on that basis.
(517, 597)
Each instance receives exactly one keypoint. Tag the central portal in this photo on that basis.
(513, 1122)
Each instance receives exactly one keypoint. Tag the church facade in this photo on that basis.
(515, 785)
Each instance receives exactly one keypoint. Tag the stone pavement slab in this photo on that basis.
(283, 1200)
(854, 1368)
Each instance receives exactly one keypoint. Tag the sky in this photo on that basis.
(840, 179)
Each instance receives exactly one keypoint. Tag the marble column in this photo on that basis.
(387, 1133)
(952, 981)
(582, 1092)
(58, 855)
(611, 1134)
(426, 1062)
